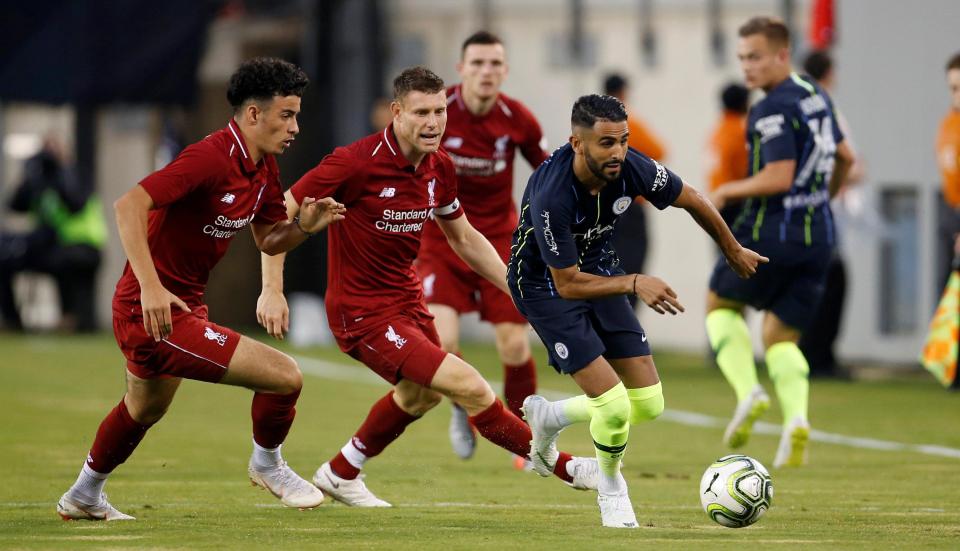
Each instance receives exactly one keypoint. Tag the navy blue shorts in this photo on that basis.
(576, 332)
(790, 285)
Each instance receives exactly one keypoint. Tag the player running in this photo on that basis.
(174, 227)
(797, 161)
(392, 181)
(484, 130)
(565, 278)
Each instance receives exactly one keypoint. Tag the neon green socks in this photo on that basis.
(610, 428)
(789, 370)
(730, 340)
(646, 403)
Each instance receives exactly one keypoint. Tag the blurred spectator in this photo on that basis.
(65, 242)
(630, 241)
(728, 155)
(817, 342)
(380, 114)
(948, 157)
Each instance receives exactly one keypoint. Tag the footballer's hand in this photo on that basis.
(655, 293)
(155, 301)
(317, 214)
(744, 262)
(273, 313)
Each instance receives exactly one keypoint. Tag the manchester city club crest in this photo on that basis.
(621, 205)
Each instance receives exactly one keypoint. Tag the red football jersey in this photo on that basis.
(203, 198)
(482, 149)
(372, 250)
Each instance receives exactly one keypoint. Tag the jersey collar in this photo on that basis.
(234, 129)
(390, 139)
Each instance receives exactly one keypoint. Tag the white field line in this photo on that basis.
(359, 374)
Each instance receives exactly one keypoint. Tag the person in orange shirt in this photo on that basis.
(630, 242)
(948, 158)
(728, 155)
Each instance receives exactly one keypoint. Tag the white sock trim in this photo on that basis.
(353, 456)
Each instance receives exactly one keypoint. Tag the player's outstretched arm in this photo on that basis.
(743, 261)
(310, 217)
(572, 284)
(474, 249)
(775, 177)
(132, 211)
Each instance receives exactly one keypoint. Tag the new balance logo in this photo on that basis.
(212, 335)
(393, 337)
(388, 192)
(228, 198)
(358, 444)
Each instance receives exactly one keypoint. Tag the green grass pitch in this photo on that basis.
(187, 482)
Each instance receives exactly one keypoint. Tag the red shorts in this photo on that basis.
(196, 349)
(449, 281)
(402, 346)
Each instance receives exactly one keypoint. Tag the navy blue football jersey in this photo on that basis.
(561, 224)
(795, 120)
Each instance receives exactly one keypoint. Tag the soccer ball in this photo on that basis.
(736, 491)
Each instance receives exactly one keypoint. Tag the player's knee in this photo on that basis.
(418, 403)
(784, 359)
(646, 404)
(149, 413)
(290, 379)
(473, 391)
(611, 410)
(513, 348)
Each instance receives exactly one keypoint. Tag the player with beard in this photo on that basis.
(565, 278)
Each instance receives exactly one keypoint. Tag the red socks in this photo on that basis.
(384, 424)
(116, 439)
(519, 381)
(272, 416)
(498, 425)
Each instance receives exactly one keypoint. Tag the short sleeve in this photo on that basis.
(448, 206)
(272, 208)
(552, 223)
(772, 126)
(327, 178)
(197, 166)
(651, 180)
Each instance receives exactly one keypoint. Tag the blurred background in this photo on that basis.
(111, 91)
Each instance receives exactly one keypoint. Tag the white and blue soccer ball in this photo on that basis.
(736, 491)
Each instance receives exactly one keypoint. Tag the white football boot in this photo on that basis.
(69, 509)
(287, 485)
(543, 445)
(586, 473)
(792, 451)
(616, 510)
(462, 436)
(353, 493)
(746, 414)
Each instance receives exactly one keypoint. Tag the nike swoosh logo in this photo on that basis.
(643, 338)
(332, 483)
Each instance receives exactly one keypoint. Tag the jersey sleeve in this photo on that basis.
(196, 167)
(772, 126)
(327, 178)
(534, 144)
(272, 208)
(653, 181)
(448, 206)
(552, 223)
